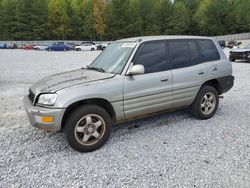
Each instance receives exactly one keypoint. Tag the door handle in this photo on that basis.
(201, 73)
(164, 80)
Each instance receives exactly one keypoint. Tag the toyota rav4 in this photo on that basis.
(132, 78)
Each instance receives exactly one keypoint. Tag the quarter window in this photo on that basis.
(208, 50)
(153, 57)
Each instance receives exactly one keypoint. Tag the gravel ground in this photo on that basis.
(168, 150)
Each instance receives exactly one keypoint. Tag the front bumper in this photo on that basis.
(35, 113)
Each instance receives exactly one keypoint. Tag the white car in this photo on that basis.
(86, 47)
(41, 47)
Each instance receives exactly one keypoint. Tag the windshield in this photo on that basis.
(113, 58)
(245, 46)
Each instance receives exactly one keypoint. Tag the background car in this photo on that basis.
(29, 47)
(3, 46)
(222, 43)
(12, 46)
(41, 47)
(232, 44)
(86, 47)
(241, 53)
(105, 45)
(59, 47)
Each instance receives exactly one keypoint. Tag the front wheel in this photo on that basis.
(88, 128)
(206, 103)
(230, 59)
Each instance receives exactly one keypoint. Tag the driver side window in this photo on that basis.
(153, 57)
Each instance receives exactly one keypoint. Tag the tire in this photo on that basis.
(92, 49)
(233, 60)
(81, 128)
(78, 49)
(203, 108)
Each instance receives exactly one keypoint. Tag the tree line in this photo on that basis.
(114, 19)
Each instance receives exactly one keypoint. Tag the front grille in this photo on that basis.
(237, 53)
(31, 96)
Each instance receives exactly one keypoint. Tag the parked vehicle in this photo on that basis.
(232, 44)
(105, 45)
(86, 47)
(29, 47)
(88, 42)
(222, 43)
(72, 44)
(3, 46)
(132, 78)
(59, 47)
(41, 47)
(13, 46)
(241, 53)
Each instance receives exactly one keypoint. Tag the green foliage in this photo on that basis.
(114, 19)
(179, 20)
(58, 19)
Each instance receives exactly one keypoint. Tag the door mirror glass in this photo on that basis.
(136, 70)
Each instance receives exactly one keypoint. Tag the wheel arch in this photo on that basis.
(215, 84)
(97, 101)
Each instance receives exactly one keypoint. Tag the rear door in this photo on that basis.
(210, 54)
(152, 91)
(188, 71)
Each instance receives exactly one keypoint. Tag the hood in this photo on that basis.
(67, 79)
(240, 50)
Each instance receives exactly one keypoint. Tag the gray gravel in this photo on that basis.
(168, 150)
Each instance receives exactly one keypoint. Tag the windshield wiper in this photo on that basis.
(96, 69)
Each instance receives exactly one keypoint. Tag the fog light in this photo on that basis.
(47, 119)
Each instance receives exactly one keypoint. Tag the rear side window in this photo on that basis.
(179, 54)
(153, 57)
(195, 55)
(208, 50)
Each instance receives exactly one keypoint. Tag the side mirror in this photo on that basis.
(136, 70)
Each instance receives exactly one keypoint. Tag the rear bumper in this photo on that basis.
(226, 83)
(34, 114)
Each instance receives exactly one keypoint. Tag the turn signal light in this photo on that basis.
(47, 119)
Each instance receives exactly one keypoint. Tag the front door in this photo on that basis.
(152, 91)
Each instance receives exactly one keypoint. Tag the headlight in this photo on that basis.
(47, 99)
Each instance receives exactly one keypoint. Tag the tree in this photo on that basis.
(200, 17)
(117, 18)
(87, 25)
(39, 17)
(74, 12)
(179, 20)
(9, 19)
(99, 11)
(216, 17)
(58, 20)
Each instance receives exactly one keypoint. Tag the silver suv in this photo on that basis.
(132, 78)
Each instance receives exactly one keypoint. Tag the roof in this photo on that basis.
(161, 37)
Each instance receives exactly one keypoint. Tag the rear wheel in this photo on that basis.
(92, 49)
(206, 103)
(88, 128)
(78, 49)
